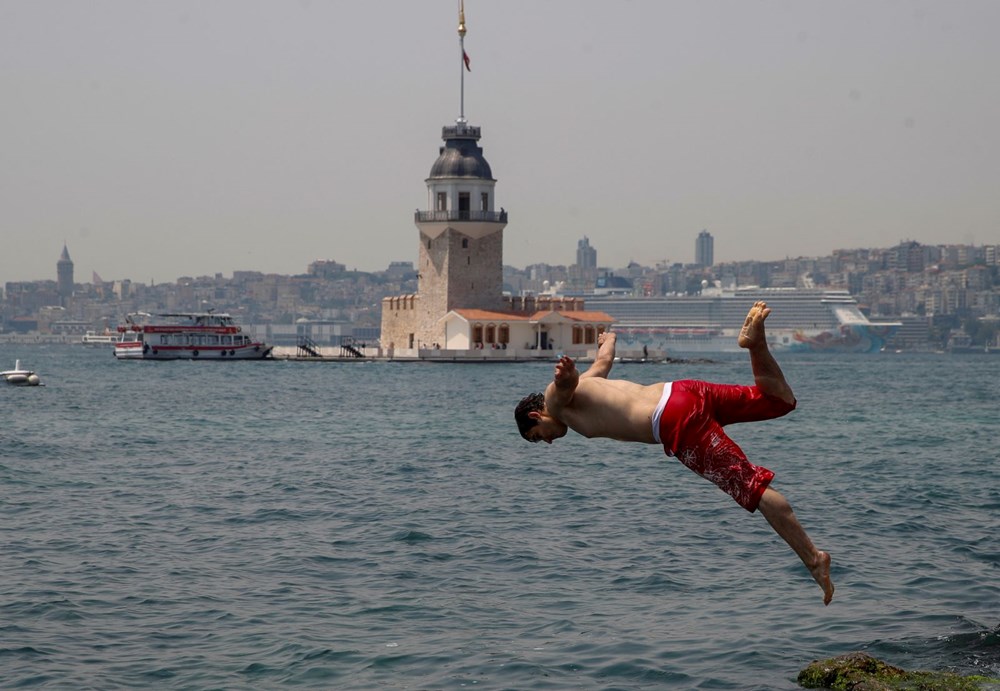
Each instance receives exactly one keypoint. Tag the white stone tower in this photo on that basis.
(460, 262)
(461, 234)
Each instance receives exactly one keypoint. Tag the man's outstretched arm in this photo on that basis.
(559, 393)
(605, 356)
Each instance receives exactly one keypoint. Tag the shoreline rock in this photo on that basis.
(859, 671)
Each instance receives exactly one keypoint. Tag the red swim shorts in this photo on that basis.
(691, 429)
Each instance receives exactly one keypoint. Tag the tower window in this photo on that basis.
(442, 201)
(485, 201)
(463, 205)
(465, 243)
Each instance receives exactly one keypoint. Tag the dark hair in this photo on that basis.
(529, 404)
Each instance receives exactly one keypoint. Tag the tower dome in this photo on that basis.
(461, 156)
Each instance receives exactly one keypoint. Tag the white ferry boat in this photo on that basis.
(802, 320)
(98, 339)
(186, 336)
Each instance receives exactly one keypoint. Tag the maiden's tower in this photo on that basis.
(459, 305)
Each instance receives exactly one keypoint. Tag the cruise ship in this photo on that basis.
(802, 319)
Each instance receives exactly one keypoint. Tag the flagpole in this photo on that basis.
(461, 60)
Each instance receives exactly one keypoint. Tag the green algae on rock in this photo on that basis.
(861, 672)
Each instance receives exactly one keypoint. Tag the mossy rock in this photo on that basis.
(862, 672)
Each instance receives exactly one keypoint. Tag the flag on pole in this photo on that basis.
(465, 58)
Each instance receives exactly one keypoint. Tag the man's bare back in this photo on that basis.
(612, 408)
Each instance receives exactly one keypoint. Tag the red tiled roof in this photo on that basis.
(488, 315)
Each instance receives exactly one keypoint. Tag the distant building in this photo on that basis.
(583, 275)
(325, 269)
(586, 256)
(704, 249)
(64, 273)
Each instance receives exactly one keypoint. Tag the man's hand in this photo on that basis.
(566, 375)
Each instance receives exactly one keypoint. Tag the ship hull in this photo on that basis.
(143, 351)
(848, 339)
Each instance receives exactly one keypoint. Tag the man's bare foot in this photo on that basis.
(752, 333)
(821, 574)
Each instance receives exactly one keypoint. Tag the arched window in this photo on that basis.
(465, 243)
(503, 335)
(477, 333)
(491, 333)
(577, 335)
(589, 335)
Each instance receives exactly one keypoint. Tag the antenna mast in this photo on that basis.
(464, 63)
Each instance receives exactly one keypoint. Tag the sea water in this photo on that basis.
(382, 526)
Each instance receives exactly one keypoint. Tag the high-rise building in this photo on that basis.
(704, 249)
(586, 256)
(64, 276)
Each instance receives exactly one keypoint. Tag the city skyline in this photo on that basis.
(64, 269)
(189, 139)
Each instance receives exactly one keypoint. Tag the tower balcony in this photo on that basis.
(460, 215)
(475, 224)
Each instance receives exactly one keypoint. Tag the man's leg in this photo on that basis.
(775, 508)
(778, 512)
(767, 375)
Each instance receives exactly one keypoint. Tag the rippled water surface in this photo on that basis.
(383, 526)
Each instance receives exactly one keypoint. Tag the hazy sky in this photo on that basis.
(185, 137)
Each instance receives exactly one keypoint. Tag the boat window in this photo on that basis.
(164, 339)
(227, 340)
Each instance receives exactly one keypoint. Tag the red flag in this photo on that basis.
(465, 57)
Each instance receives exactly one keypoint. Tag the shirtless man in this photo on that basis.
(687, 418)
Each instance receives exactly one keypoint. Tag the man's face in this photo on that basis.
(547, 429)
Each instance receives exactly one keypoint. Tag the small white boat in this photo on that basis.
(186, 336)
(20, 377)
(99, 339)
